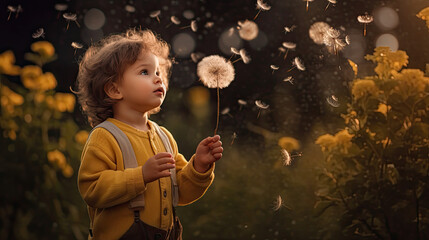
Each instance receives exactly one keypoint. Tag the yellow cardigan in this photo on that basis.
(107, 188)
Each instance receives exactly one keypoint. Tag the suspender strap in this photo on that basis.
(128, 155)
(130, 160)
(168, 147)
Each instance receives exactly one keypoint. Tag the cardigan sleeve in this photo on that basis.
(100, 183)
(192, 184)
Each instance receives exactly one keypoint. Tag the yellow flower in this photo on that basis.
(9, 99)
(64, 102)
(81, 136)
(354, 66)
(29, 76)
(289, 143)
(44, 48)
(39, 97)
(57, 157)
(388, 61)
(383, 108)
(67, 171)
(12, 134)
(411, 82)
(47, 81)
(7, 61)
(326, 142)
(424, 15)
(363, 87)
(343, 140)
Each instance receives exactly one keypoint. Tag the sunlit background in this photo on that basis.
(293, 84)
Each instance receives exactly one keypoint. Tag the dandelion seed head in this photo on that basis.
(244, 56)
(155, 13)
(333, 33)
(299, 64)
(289, 45)
(328, 41)
(70, 16)
(317, 31)
(175, 20)
(340, 43)
(286, 157)
(194, 26)
(76, 45)
(39, 33)
(241, 102)
(214, 71)
(365, 18)
(61, 7)
(248, 30)
(261, 104)
(261, 5)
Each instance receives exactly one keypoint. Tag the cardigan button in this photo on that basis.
(165, 211)
(165, 193)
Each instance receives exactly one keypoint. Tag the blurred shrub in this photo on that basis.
(41, 146)
(376, 170)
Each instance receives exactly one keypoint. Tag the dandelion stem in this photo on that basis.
(257, 14)
(185, 27)
(259, 112)
(286, 54)
(218, 103)
(327, 5)
(236, 60)
(291, 69)
(306, 8)
(364, 29)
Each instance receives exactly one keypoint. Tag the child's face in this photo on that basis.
(141, 86)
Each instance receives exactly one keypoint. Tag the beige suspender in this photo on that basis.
(130, 160)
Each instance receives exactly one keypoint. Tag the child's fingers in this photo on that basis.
(217, 150)
(165, 160)
(164, 174)
(209, 140)
(215, 145)
(162, 155)
(217, 156)
(166, 166)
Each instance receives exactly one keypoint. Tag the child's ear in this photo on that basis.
(111, 89)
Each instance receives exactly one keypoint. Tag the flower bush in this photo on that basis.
(376, 170)
(43, 146)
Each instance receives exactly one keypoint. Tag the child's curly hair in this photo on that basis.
(106, 62)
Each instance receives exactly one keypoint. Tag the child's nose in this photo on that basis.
(157, 79)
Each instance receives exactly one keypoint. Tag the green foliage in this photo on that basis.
(376, 170)
(40, 154)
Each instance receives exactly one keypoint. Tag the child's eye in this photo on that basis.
(144, 72)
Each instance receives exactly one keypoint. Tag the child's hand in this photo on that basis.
(157, 167)
(208, 151)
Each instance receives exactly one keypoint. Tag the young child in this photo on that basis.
(123, 79)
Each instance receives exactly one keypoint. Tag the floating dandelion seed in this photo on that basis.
(288, 46)
(289, 29)
(225, 111)
(281, 50)
(333, 33)
(197, 56)
(61, 7)
(70, 17)
(39, 33)
(329, 2)
(235, 51)
(216, 72)
(317, 32)
(331, 40)
(243, 56)
(261, 6)
(76, 46)
(248, 30)
(193, 26)
(347, 39)
(174, 20)
(155, 14)
(288, 79)
(278, 203)
(209, 24)
(231, 31)
(12, 9)
(234, 136)
(261, 105)
(365, 19)
(297, 63)
(130, 8)
(274, 67)
(308, 1)
(286, 157)
(333, 101)
(242, 102)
